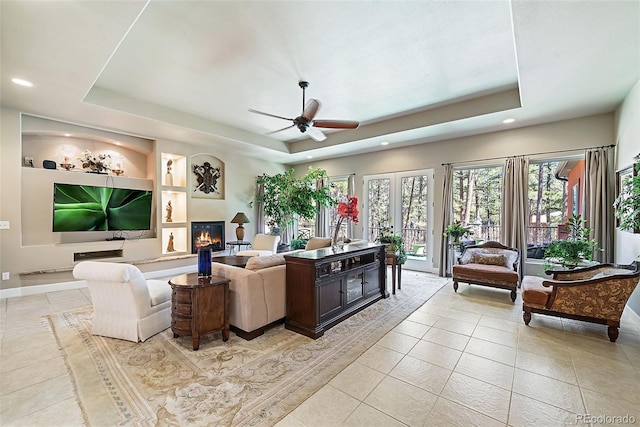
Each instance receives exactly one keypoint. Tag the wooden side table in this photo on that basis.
(199, 306)
(392, 259)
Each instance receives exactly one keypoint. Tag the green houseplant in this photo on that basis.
(577, 247)
(286, 197)
(394, 242)
(457, 231)
(627, 204)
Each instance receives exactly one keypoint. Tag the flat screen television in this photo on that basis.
(90, 208)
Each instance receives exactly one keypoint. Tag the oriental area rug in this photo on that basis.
(163, 382)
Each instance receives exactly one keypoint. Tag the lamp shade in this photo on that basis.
(240, 218)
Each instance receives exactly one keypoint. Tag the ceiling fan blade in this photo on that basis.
(267, 114)
(279, 130)
(336, 124)
(311, 109)
(316, 134)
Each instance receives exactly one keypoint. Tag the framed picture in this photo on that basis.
(623, 178)
(207, 177)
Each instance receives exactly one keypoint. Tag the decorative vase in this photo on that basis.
(204, 262)
(337, 241)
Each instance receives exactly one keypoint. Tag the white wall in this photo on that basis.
(628, 140)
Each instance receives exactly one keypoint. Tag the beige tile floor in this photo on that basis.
(462, 359)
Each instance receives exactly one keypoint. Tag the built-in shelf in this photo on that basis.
(174, 170)
(174, 191)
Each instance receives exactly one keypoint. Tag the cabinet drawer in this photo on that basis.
(181, 296)
(182, 309)
(181, 324)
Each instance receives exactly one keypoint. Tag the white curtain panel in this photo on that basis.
(260, 220)
(598, 210)
(514, 211)
(447, 216)
(322, 219)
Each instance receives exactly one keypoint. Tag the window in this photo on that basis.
(338, 188)
(555, 193)
(477, 201)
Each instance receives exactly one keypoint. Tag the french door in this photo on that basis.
(402, 202)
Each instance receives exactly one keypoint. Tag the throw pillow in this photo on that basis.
(489, 259)
(317, 243)
(260, 262)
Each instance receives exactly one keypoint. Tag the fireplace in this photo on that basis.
(210, 233)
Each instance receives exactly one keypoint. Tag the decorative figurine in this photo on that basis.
(168, 178)
(169, 210)
(170, 247)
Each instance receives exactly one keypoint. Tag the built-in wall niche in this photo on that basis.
(64, 143)
(68, 154)
(174, 205)
(174, 240)
(174, 170)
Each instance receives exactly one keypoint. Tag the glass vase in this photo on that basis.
(204, 262)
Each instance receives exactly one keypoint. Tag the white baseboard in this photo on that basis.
(77, 284)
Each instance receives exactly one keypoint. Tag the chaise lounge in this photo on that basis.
(488, 264)
(596, 294)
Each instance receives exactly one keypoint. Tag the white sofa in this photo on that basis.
(125, 304)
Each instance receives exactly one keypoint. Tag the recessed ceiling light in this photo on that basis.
(507, 121)
(309, 157)
(22, 82)
(384, 143)
(67, 135)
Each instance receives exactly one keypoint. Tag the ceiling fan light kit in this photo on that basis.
(305, 122)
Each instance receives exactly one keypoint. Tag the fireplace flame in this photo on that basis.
(203, 240)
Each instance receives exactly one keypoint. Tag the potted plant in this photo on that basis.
(457, 231)
(286, 197)
(394, 242)
(573, 250)
(627, 204)
(299, 243)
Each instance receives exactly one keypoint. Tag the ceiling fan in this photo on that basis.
(305, 121)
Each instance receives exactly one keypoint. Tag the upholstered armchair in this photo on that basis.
(596, 294)
(125, 304)
(263, 244)
(488, 264)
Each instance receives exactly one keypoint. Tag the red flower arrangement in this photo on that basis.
(346, 210)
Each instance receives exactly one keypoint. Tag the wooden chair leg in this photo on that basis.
(455, 286)
(526, 315)
(612, 331)
(513, 296)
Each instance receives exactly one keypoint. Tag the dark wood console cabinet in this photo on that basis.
(325, 287)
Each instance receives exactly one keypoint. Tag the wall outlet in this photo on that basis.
(4, 225)
(6, 275)
(28, 161)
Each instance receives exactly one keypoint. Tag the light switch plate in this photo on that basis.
(6, 275)
(4, 225)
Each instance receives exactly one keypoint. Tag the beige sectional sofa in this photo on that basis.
(257, 293)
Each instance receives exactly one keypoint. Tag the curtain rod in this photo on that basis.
(530, 154)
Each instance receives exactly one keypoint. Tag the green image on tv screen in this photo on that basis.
(89, 208)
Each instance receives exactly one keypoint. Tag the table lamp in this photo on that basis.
(240, 219)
